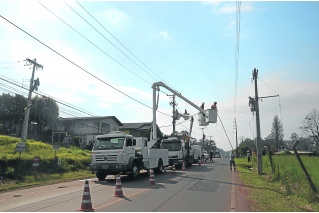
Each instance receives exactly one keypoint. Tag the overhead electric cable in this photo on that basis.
(225, 131)
(278, 97)
(95, 45)
(120, 42)
(238, 5)
(79, 66)
(109, 40)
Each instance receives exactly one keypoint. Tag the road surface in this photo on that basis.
(210, 187)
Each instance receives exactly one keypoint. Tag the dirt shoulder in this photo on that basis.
(239, 194)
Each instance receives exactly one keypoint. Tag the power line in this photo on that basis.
(120, 42)
(108, 39)
(225, 131)
(79, 66)
(95, 45)
(45, 95)
(12, 62)
(238, 5)
(278, 97)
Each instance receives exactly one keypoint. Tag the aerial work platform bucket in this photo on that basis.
(209, 117)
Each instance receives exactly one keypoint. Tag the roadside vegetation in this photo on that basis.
(283, 187)
(18, 171)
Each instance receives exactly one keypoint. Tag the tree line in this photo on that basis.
(308, 141)
(44, 113)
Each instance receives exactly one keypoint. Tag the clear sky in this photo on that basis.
(189, 45)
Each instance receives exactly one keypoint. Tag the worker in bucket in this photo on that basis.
(214, 106)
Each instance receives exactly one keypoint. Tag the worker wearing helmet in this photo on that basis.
(214, 106)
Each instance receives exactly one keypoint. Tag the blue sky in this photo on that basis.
(189, 45)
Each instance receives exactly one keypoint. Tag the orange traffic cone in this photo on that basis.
(152, 179)
(173, 170)
(86, 204)
(183, 166)
(118, 187)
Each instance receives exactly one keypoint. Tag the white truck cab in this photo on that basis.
(120, 153)
(177, 151)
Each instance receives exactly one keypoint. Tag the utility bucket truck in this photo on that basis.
(180, 151)
(120, 153)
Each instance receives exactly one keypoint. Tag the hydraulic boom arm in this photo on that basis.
(155, 87)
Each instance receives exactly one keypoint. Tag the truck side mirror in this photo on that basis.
(134, 142)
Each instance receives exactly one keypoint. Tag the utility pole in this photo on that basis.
(258, 139)
(27, 111)
(236, 139)
(174, 113)
(203, 135)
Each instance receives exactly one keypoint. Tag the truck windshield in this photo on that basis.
(175, 146)
(109, 143)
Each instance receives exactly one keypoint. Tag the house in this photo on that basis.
(85, 128)
(140, 130)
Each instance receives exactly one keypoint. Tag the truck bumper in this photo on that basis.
(110, 169)
(175, 161)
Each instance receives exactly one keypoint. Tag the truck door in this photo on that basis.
(128, 149)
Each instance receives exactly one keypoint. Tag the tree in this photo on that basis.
(276, 134)
(310, 126)
(43, 113)
(12, 112)
(245, 145)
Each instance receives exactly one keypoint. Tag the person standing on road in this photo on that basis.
(232, 161)
(248, 156)
(211, 156)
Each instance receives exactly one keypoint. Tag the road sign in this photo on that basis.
(36, 159)
(20, 147)
(56, 147)
(59, 162)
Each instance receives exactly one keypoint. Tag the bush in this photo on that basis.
(16, 167)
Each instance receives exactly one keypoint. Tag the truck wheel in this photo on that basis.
(135, 171)
(101, 175)
(159, 169)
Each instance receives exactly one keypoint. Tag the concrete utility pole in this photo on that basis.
(27, 111)
(258, 140)
(174, 113)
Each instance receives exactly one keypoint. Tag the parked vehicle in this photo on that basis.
(198, 152)
(217, 155)
(178, 151)
(120, 153)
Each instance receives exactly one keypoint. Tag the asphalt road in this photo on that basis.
(210, 187)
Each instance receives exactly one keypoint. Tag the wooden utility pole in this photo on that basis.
(203, 136)
(236, 139)
(174, 113)
(27, 111)
(258, 139)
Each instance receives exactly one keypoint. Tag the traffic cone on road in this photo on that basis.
(152, 179)
(118, 187)
(173, 170)
(86, 204)
(183, 166)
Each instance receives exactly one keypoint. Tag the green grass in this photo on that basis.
(285, 191)
(18, 170)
